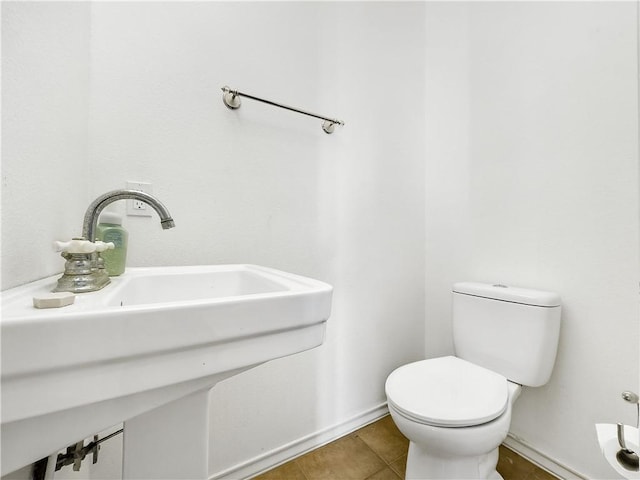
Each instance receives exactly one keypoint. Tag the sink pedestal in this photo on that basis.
(170, 442)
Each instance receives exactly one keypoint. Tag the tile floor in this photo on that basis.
(379, 452)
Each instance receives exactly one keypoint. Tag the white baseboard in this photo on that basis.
(285, 453)
(540, 459)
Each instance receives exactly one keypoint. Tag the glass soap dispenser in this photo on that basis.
(110, 230)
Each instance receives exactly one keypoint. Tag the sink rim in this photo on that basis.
(97, 303)
(94, 332)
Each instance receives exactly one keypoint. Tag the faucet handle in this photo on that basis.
(102, 246)
(76, 245)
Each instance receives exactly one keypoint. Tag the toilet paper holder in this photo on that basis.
(609, 445)
(626, 457)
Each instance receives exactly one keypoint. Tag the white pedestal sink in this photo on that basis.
(156, 338)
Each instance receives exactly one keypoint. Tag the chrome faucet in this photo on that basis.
(96, 207)
(84, 268)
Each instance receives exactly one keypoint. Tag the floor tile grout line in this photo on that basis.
(304, 474)
(376, 473)
(396, 459)
(387, 465)
(295, 461)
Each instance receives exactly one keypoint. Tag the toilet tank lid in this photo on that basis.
(506, 293)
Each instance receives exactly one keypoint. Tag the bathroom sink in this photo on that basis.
(154, 335)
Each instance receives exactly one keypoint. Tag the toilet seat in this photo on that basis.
(447, 392)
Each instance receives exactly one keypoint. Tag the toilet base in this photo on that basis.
(422, 465)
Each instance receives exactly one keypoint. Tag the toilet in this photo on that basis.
(456, 410)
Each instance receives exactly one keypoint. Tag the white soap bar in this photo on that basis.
(54, 300)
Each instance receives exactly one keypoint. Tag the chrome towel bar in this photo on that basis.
(231, 99)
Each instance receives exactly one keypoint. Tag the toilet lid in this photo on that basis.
(447, 392)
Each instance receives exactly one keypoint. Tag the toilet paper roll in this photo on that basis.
(608, 440)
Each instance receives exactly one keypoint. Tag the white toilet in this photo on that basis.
(456, 410)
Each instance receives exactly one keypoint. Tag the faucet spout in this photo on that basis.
(95, 208)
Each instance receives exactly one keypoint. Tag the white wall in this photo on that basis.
(45, 94)
(530, 119)
(258, 185)
(447, 166)
(543, 184)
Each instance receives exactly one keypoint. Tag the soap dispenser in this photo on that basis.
(110, 230)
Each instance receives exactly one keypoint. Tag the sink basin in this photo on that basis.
(148, 287)
(154, 335)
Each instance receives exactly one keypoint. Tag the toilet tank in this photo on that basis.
(512, 331)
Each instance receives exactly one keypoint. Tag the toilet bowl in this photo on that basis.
(456, 410)
(448, 441)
